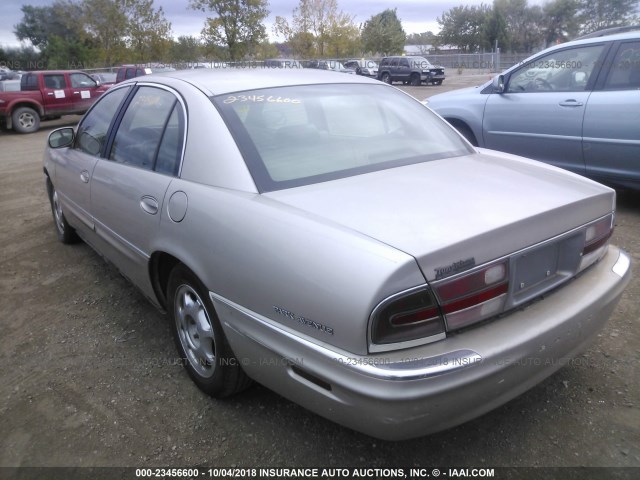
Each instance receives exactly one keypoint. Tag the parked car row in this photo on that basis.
(575, 105)
(410, 70)
(23, 111)
(358, 255)
(331, 65)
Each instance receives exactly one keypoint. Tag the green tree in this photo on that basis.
(383, 33)
(40, 24)
(237, 25)
(186, 49)
(148, 33)
(319, 28)
(54, 30)
(531, 38)
(266, 50)
(107, 22)
(494, 30)
(21, 58)
(561, 20)
(463, 27)
(424, 38)
(601, 14)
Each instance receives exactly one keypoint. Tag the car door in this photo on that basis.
(612, 119)
(394, 69)
(128, 187)
(404, 69)
(540, 112)
(56, 94)
(84, 91)
(73, 171)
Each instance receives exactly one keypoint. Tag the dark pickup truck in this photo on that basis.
(48, 95)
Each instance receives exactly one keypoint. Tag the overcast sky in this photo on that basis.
(416, 15)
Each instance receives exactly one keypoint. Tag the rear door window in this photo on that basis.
(55, 82)
(139, 139)
(625, 69)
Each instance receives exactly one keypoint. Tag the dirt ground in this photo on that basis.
(90, 376)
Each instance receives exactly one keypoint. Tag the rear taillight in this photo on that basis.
(474, 296)
(423, 315)
(408, 317)
(597, 236)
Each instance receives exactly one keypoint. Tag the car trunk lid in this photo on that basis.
(455, 213)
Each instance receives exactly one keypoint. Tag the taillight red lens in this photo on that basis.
(475, 296)
(597, 235)
(407, 317)
(475, 299)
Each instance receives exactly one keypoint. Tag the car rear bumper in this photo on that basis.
(422, 390)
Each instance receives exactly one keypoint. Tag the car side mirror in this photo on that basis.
(498, 84)
(61, 138)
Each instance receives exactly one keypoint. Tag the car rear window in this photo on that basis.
(294, 136)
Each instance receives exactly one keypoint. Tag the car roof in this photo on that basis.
(634, 35)
(221, 81)
(55, 72)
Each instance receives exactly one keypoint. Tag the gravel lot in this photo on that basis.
(90, 377)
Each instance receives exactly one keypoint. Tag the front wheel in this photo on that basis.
(466, 132)
(25, 120)
(437, 82)
(199, 337)
(64, 231)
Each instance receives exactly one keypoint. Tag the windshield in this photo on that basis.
(420, 62)
(294, 136)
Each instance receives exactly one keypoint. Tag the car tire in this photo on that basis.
(25, 120)
(465, 131)
(65, 232)
(415, 80)
(437, 82)
(386, 78)
(199, 337)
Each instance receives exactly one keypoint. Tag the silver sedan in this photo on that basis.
(331, 238)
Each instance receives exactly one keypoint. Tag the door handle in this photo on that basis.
(149, 205)
(84, 176)
(50, 94)
(570, 103)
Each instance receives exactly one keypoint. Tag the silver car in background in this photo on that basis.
(331, 238)
(575, 105)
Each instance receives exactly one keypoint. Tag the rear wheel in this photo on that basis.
(415, 80)
(199, 337)
(386, 78)
(25, 120)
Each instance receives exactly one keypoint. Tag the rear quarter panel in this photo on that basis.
(261, 255)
